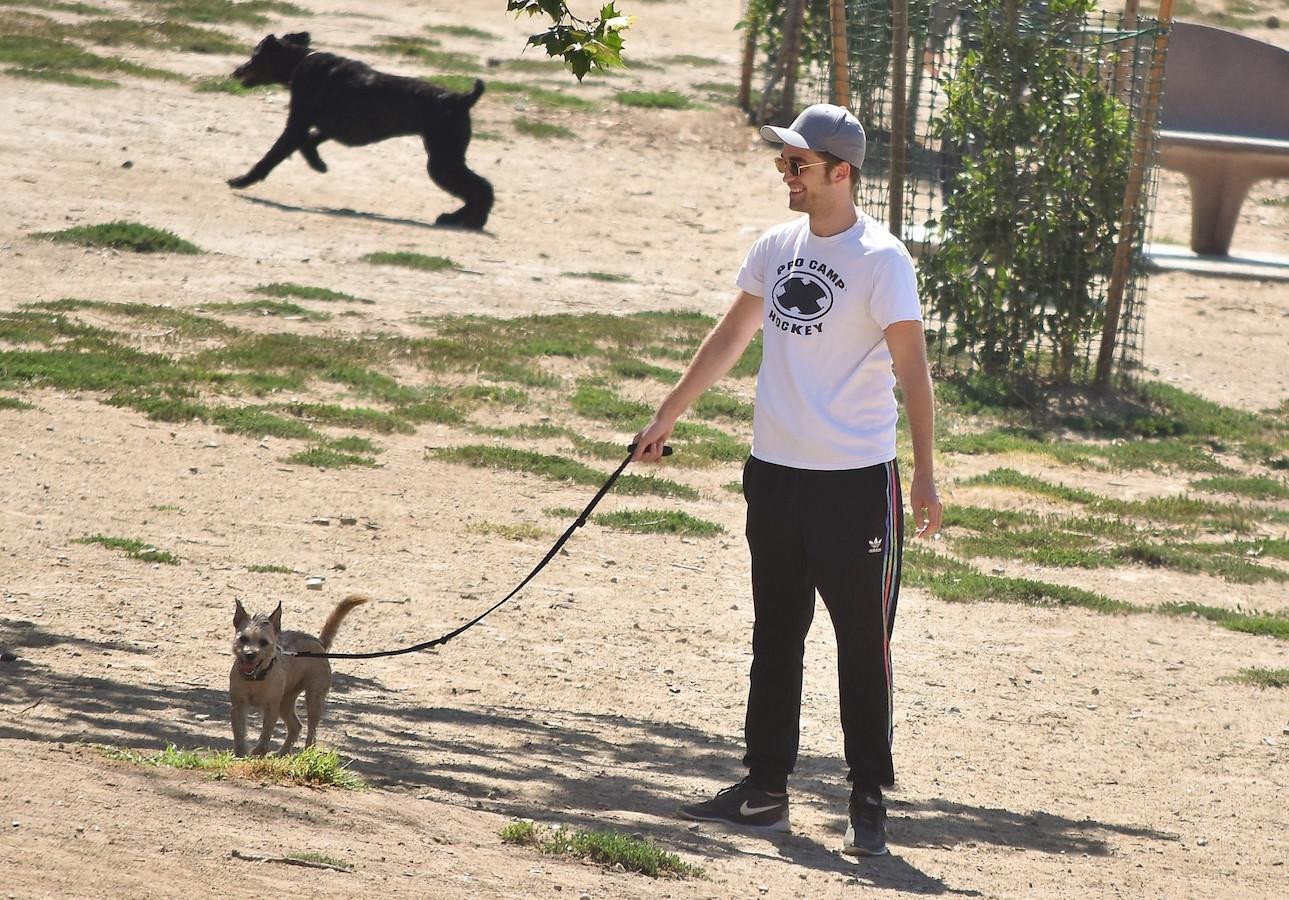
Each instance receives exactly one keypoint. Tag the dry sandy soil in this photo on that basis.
(1040, 752)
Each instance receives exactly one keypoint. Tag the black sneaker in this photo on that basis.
(743, 805)
(866, 831)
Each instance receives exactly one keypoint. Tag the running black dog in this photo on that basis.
(333, 98)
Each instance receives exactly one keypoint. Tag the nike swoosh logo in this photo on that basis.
(746, 810)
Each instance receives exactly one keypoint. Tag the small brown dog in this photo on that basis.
(270, 681)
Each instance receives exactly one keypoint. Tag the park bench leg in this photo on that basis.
(1216, 197)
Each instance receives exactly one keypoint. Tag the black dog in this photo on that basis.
(333, 98)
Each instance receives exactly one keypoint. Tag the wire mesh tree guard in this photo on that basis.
(1011, 146)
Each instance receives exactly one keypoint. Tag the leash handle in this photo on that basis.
(550, 554)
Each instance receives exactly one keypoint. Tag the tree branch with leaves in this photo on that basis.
(583, 43)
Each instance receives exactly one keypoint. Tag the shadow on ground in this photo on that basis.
(346, 213)
(578, 768)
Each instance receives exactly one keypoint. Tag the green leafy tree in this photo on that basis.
(583, 43)
(1030, 223)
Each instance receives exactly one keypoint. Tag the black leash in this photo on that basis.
(578, 523)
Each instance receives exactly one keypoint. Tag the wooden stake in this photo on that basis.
(744, 99)
(899, 115)
(791, 53)
(840, 54)
(1132, 198)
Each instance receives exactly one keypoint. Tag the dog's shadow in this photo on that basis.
(346, 213)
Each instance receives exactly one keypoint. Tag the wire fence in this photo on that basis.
(1023, 272)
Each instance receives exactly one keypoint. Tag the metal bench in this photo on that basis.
(1224, 123)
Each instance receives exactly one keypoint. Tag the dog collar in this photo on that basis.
(262, 674)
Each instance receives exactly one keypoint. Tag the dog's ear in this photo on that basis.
(239, 616)
(276, 619)
(298, 37)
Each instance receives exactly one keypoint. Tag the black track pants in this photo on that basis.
(840, 533)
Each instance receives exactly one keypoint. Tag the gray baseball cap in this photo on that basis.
(823, 128)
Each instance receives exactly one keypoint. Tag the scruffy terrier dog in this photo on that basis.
(265, 679)
(334, 98)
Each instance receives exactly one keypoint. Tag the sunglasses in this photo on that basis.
(791, 165)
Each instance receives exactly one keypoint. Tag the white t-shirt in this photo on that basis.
(825, 395)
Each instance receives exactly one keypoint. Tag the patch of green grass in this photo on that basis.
(282, 308)
(613, 277)
(305, 354)
(80, 9)
(1208, 559)
(321, 859)
(181, 321)
(251, 421)
(350, 417)
(256, 422)
(541, 97)
(27, 44)
(164, 33)
(688, 59)
(47, 53)
(431, 411)
(1176, 510)
(132, 548)
(718, 90)
(624, 367)
(535, 65)
(716, 404)
(323, 456)
(658, 521)
(229, 85)
(242, 12)
(539, 430)
(410, 261)
(557, 468)
(697, 441)
(957, 582)
(611, 450)
(542, 130)
(59, 76)
(81, 367)
(521, 532)
(287, 291)
(1257, 488)
(1010, 478)
(270, 569)
(14, 403)
(457, 84)
(1263, 678)
(464, 31)
(312, 766)
(605, 848)
(597, 402)
(121, 235)
(424, 50)
(173, 758)
(1268, 624)
(1125, 455)
(355, 444)
(654, 99)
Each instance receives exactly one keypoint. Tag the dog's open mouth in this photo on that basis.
(248, 666)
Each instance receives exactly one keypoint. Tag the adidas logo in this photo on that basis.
(875, 545)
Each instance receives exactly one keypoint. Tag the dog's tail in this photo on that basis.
(468, 100)
(337, 616)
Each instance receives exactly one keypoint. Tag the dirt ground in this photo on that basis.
(1040, 752)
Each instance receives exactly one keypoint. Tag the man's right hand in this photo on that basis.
(649, 440)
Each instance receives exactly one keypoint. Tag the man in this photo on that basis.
(836, 296)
